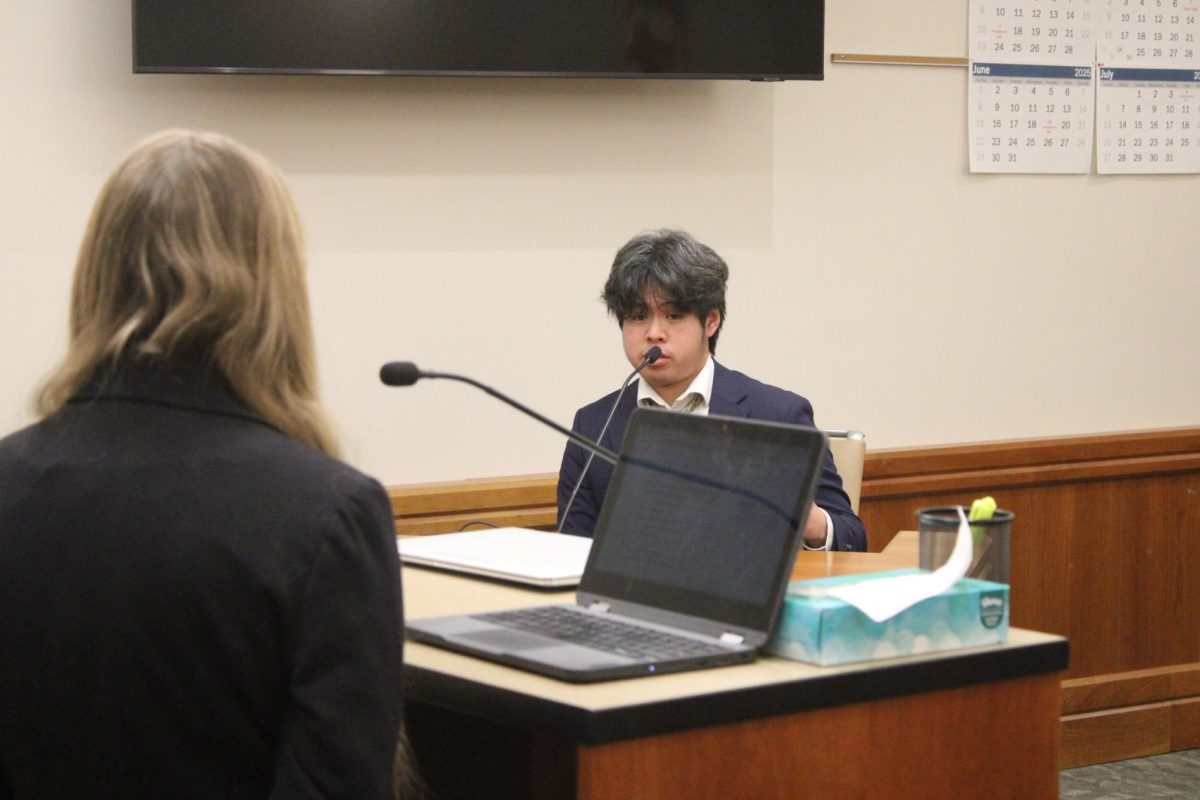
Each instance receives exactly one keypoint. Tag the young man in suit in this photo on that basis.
(667, 290)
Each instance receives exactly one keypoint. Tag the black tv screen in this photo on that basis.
(749, 39)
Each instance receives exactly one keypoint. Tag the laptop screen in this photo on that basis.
(703, 515)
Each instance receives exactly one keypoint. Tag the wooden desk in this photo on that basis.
(977, 723)
(1133, 686)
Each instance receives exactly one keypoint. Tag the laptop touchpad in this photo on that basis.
(505, 640)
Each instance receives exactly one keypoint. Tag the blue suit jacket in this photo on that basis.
(733, 395)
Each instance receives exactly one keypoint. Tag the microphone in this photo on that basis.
(651, 356)
(400, 373)
(406, 373)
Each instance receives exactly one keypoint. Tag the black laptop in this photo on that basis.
(690, 561)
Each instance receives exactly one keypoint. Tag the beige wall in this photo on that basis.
(467, 224)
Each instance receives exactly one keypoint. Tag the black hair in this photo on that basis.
(676, 268)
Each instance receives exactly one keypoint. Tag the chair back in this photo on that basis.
(849, 448)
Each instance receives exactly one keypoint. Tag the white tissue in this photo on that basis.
(883, 598)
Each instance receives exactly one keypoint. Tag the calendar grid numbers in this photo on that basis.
(1031, 90)
(1053, 30)
(1044, 73)
(1148, 64)
(1031, 118)
(1150, 33)
(1150, 120)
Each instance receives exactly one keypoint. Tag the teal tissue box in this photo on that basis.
(827, 631)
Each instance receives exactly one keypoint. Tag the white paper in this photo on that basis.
(515, 553)
(884, 598)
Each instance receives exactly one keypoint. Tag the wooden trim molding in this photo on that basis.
(1046, 451)
(529, 500)
(526, 501)
(1105, 549)
(1129, 715)
(920, 474)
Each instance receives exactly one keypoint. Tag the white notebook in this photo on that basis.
(519, 555)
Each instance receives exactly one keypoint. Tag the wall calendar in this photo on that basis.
(1148, 90)
(1031, 85)
(1043, 73)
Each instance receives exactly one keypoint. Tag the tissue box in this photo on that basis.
(826, 631)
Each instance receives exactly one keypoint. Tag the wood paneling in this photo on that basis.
(762, 759)
(1130, 714)
(1041, 456)
(525, 501)
(1105, 550)
(1115, 735)
(1113, 691)
(1185, 725)
(1107, 532)
(746, 761)
(1185, 680)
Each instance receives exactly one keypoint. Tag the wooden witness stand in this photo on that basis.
(1106, 547)
(978, 723)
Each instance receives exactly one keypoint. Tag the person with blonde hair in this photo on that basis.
(197, 599)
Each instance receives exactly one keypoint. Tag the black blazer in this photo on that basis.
(192, 604)
(733, 395)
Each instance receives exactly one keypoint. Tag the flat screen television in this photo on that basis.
(734, 39)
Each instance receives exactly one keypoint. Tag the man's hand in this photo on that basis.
(815, 530)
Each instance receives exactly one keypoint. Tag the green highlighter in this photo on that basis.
(981, 510)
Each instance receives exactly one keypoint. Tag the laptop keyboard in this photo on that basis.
(610, 635)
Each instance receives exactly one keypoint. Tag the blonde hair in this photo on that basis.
(194, 250)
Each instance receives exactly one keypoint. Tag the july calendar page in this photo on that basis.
(1148, 91)
(1031, 95)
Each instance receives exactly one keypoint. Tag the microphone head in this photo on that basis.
(399, 373)
(652, 354)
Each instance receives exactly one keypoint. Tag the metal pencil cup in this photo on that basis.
(938, 528)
